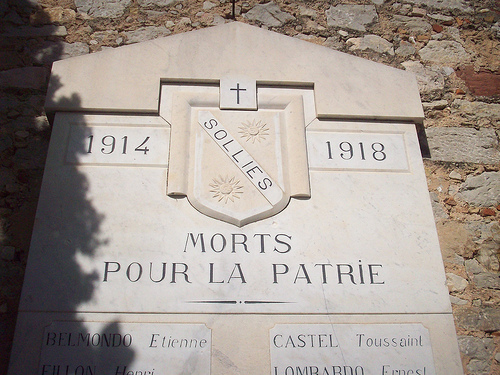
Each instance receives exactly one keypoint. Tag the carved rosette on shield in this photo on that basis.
(240, 141)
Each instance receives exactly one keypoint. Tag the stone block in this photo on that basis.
(430, 80)
(49, 51)
(414, 26)
(143, 34)
(475, 347)
(371, 42)
(463, 144)
(481, 190)
(444, 52)
(268, 14)
(33, 32)
(456, 283)
(459, 5)
(482, 83)
(478, 319)
(24, 78)
(102, 8)
(352, 17)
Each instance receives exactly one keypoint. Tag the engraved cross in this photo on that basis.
(245, 89)
(237, 89)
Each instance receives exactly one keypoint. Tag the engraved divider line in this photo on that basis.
(236, 302)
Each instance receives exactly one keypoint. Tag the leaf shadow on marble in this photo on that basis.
(80, 235)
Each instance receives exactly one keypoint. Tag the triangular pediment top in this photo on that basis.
(127, 79)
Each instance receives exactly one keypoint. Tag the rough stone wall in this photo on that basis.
(451, 45)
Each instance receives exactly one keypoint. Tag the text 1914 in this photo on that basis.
(110, 145)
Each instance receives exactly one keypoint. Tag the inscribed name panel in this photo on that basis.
(235, 348)
(355, 349)
(125, 348)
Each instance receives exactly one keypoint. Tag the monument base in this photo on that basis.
(240, 344)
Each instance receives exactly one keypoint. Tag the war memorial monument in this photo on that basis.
(234, 201)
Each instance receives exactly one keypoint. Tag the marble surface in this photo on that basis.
(136, 142)
(234, 199)
(129, 77)
(351, 349)
(241, 342)
(346, 236)
(125, 348)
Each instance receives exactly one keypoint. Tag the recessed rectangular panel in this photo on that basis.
(238, 92)
(354, 349)
(125, 348)
(338, 150)
(118, 145)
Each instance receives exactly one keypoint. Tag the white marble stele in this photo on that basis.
(257, 215)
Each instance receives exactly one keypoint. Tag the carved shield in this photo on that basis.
(238, 166)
